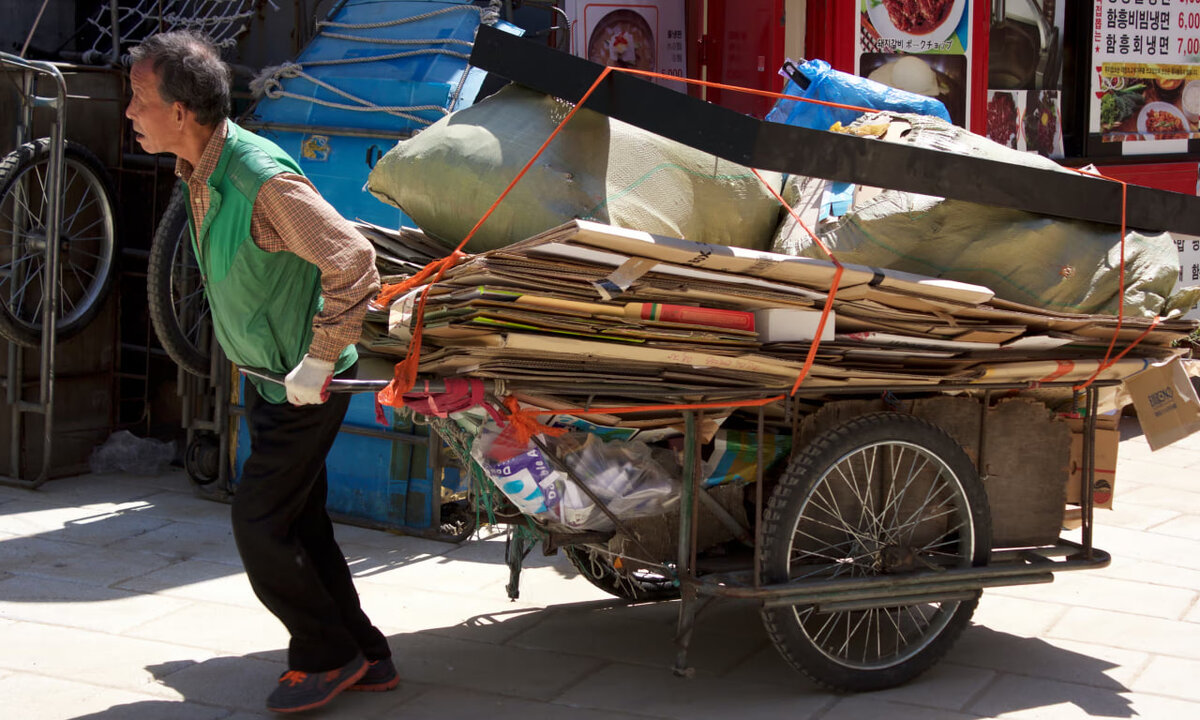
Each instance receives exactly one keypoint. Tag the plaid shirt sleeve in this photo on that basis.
(290, 215)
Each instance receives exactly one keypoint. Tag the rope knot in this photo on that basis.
(522, 426)
(266, 83)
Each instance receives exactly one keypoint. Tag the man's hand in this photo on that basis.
(307, 383)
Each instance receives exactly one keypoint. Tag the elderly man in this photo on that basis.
(287, 280)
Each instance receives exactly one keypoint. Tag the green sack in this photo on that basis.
(1058, 264)
(597, 168)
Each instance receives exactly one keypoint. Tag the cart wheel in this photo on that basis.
(639, 585)
(458, 521)
(87, 240)
(881, 494)
(174, 291)
(202, 459)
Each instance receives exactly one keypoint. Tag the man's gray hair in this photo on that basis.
(190, 71)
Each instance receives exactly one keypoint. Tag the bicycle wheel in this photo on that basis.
(179, 309)
(87, 240)
(881, 494)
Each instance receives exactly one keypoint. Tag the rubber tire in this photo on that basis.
(171, 238)
(13, 166)
(605, 576)
(458, 521)
(202, 459)
(781, 518)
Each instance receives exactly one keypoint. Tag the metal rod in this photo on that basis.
(688, 595)
(736, 585)
(50, 282)
(758, 503)
(981, 455)
(726, 519)
(371, 432)
(1087, 475)
(50, 285)
(15, 373)
(114, 16)
(887, 594)
(573, 477)
(694, 508)
(895, 601)
(685, 498)
(336, 385)
(36, 21)
(223, 388)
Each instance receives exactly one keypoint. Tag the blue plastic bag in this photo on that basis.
(825, 83)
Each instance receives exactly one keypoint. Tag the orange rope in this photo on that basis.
(523, 421)
(745, 90)
(405, 375)
(833, 287)
(1106, 363)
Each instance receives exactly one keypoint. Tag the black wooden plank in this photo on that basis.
(771, 146)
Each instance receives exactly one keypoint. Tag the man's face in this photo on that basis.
(156, 122)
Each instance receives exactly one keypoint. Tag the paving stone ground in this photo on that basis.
(122, 597)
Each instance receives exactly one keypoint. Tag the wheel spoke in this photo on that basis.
(834, 512)
(5, 268)
(29, 213)
(894, 505)
(18, 294)
(69, 221)
(89, 226)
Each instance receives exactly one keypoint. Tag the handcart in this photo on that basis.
(868, 555)
(869, 546)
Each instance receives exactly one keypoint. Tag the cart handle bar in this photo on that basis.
(335, 386)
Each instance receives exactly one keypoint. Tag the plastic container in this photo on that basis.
(381, 482)
(337, 147)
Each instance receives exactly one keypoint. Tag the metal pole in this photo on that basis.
(1087, 475)
(114, 17)
(758, 501)
(50, 278)
(53, 222)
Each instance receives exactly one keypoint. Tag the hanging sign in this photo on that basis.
(919, 47)
(646, 35)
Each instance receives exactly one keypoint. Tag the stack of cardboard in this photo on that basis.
(623, 317)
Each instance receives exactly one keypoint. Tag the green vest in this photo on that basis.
(262, 303)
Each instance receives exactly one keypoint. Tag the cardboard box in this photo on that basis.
(1108, 438)
(792, 325)
(1166, 402)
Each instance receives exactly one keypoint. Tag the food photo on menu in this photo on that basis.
(1144, 108)
(917, 46)
(942, 77)
(1042, 126)
(622, 38)
(1004, 117)
(918, 17)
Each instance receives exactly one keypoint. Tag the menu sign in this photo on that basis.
(918, 47)
(647, 35)
(1146, 70)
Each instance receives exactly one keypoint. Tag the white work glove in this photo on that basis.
(308, 382)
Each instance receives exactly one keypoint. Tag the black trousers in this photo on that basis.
(285, 536)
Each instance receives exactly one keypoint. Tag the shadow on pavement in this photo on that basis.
(459, 657)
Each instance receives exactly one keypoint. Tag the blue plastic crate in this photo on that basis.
(383, 482)
(428, 63)
(338, 166)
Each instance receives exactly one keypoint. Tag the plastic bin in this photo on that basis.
(376, 481)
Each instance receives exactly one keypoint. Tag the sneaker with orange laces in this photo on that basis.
(380, 676)
(298, 691)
